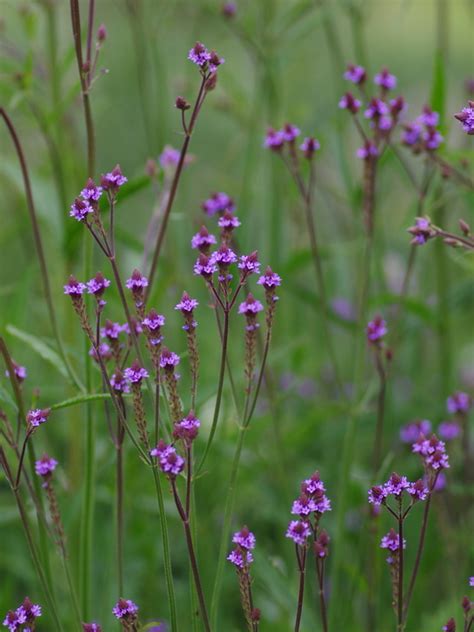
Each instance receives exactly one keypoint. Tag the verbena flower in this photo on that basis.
(215, 61)
(205, 267)
(80, 209)
(412, 431)
(168, 359)
(170, 462)
(32, 610)
(309, 146)
(14, 620)
(376, 109)
(91, 627)
(244, 538)
(111, 330)
(119, 382)
(270, 279)
(186, 304)
(250, 306)
(135, 373)
(228, 221)
(98, 284)
(377, 495)
(376, 329)
(313, 484)
(418, 490)
(290, 133)
(125, 609)
(113, 180)
(421, 231)
(458, 402)
(391, 541)
(73, 288)
(240, 558)
(449, 430)
(428, 118)
(249, 264)
(91, 191)
(298, 531)
(137, 282)
(45, 465)
(349, 102)
(321, 545)
(37, 416)
(274, 139)
(203, 240)
(411, 134)
(385, 80)
(169, 157)
(367, 151)
(303, 506)
(218, 203)
(466, 117)
(19, 371)
(187, 429)
(396, 484)
(199, 55)
(432, 139)
(356, 74)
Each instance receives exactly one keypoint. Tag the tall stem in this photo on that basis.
(302, 572)
(197, 578)
(322, 600)
(400, 625)
(378, 440)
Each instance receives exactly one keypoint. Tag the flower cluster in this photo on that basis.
(309, 507)
(170, 462)
(37, 416)
(19, 371)
(396, 486)
(376, 330)
(422, 134)
(207, 61)
(422, 231)
(241, 556)
(411, 431)
(45, 466)
(466, 117)
(277, 140)
(125, 610)
(25, 615)
(432, 452)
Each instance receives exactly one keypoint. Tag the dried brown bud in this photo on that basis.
(449, 241)
(464, 226)
(211, 82)
(101, 33)
(182, 104)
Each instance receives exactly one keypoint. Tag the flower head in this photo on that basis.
(205, 267)
(418, 490)
(356, 74)
(249, 264)
(91, 627)
(449, 430)
(37, 416)
(98, 284)
(169, 157)
(432, 139)
(466, 117)
(244, 538)
(376, 329)
(367, 151)
(113, 180)
(428, 118)
(274, 139)
(19, 371)
(240, 557)
(224, 257)
(385, 80)
(290, 133)
(250, 307)
(135, 373)
(14, 619)
(377, 495)
(45, 466)
(412, 431)
(349, 102)
(298, 531)
(111, 330)
(91, 191)
(32, 610)
(421, 231)
(312, 485)
(321, 545)
(411, 134)
(458, 402)
(450, 626)
(199, 55)
(303, 506)
(218, 203)
(80, 209)
(125, 609)
(228, 221)
(169, 360)
(187, 304)
(376, 109)
(119, 382)
(137, 282)
(169, 460)
(187, 429)
(391, 541)
(309, 146)
(203, 240)
(396, 484)
(270, 280)
(73, 288)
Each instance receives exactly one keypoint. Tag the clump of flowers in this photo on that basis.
(126, 611)
(24, 617)
(466, 118)
(241, 557)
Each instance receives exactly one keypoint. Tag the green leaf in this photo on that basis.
(41, 348)
(81, 399)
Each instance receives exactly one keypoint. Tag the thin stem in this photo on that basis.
(197, 578)
(322, 600)
(400, 574)
(302, 572)
(378, 439)
(119, 507)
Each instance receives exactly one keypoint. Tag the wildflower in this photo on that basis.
(169, 460)
(14, 619)
(224, 257)
(228, 221)
(349, 102)
(309, 146)
(421, 231)
(125, 609)
(119, 382)
(45, 466)
(471, 582)
(186, 306)
(377, 495)
(169, 157)
(376, 109)
(438, 460)
(240, 558)
(412, 431)
(98, 284)
(73, 288)
(229, 9)
(169, 359)
(111, 330)
(187, 429)
(244, 538)
(203, 240)
(356, 74)
(368, 151)
(199, 55)
(37, 416)
(396, 484)
(113, 180)
(411, 134)
(397, 106)
(218, 203)
(432, 139)
(450, 626)
(137, 282)
(391, 541)
(321, 545)
(31, 610)
(385, 80)
(135, 373)
(321, 501)
(298, 531)
(250, 307)
(91, 627)
(428, 118)
(91, 191)
(80, 209)
(205, 267)
(249, 264)
(418, 490)
(458, 402)
(449, 430)
(466, 117)
(270, 279)
(274, 139)
(215, 61)
(313, 484)
(153, 323)
(376, 329)
(303, 506)
(19, 371)
(290, 133)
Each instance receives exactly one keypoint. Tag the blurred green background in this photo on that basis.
(296, 75)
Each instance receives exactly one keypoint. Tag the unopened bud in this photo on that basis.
(464, 226)
(182, 104)
(449, 241)
(211, 82)
(101, 33)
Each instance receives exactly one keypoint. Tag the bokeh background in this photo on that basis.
(284, 62)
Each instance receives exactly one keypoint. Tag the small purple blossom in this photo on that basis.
(438, 460)
(249, 264)
(432, 139)
(349, 102)
(244, 538)
(303, 506)
(240, 558)
(205, 267)
(73, 288)
(169, 460)
(385, 80)
(449, 430)
(450, 626)
(113, 180)
(199, 54)
(215, 61)
(98, 284)
(274, 139)
(224, 257)
(37, 416)
(250, 306)
(376, 109)
(290, 133)
(169, 360)
(391, 541)
(119, 382)
(270, 280)
(31, 610)
(471, 582)
(228, 221)
(135, 373)
(377, 495)
(203, 240)
(313, 485)
(45, 466)
(411, 134)
(218, 203)
(367, 151)
(458, 402)
(111, 330)
(91, 191)
(298, 531)
(412, 431)
(309, 146)
(356, 74)
(14, 619)
(376, 329)
(80, 209)
(169, 157)
(91, 627)
(466, 117)
(428, 118)
(396, 484)
(125, 609)
(19, 371)
(137, 282)
(321, 545)
(418, 490)
(187, 304)
(421, 231)
(187, 429)
(153, 321)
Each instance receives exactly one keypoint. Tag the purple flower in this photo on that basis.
(450, 626)
(13, 620)
(203, 240)
(91, 627)
(187, 304)
(298, 531)
(449, 430)
(169, 157)
(37, 416)
(412, 431)
(369, 150)
(432, 139)
(135, 373)
(391, 541)
(458, 402)
(19, 371)
(91, 191)
(377, 495)
(125, 609)
(73, 288)
(321, 501)
(309, 146)
(376, 109)
(113, 180)
(169, 359)
(240, 558)
(229, 9)
(385, 123)
(119, 382)
(111, 330)
(205, 267)
(137, 282)
(250, 306)
(385, 80)
(98, 284)
(153, 321)
(187, 429)
(356, 74)
(290, 133)
(411, 134)
(438, 460)
(45, 466)
(169, 460)
(396, 484)
(244, 538)
(80, 209)
(349, 102)
(274, 139)
(376, 329)
(199, 54)
(270, 280)
(215, 61)
(249, 264)
(428, 118)
(466, 117)
(397, 106)
(471, 582)
(218, 203)
(224, 257)
(421, 231)
(321, 545)
(31, 610)
(418, 490)
(228, 221)
(313, 485)
(303, 506)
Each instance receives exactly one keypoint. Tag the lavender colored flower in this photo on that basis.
(321, 545)
(298, 531)
(356, 74)
(13, 620)
(203, 240)
(199, 55)
(466, 117)
(135, 373)
(412, 431)
(397, 105)
(37, 416)
(367, 151)
(187, 304)
(458, 402)
(187, 429)
(321, 501)
(31, 610)
(377, 495)
(270, 280)
(91, 191)
(137, 282)
(249, 264)
(438, 460)
(309, 146)
(19, 371)
(274, 139)
(313, 485)
(250, 306)
(385, 123)
(349, 102)
(240, 558)
(432, 139)
(385, 80)
(421, 231)
(119, 382)
(290, 133)
(471, 582)
(73, 288)
(428, 118)
(153, 321)
(125, 609)
(91, 627)
(376, 109)
(244, 538)
(218, 203)
(80, 209)
(169, 360)
(411, 134)
(418, 490)
(396, 484)
(98, 284)
(215, 61)
(45, 466)
(224, 257)
(169, 157)
(450, 626)
(449, 430)
(303, 506)
(376, 329)
(228, 221)
(205, 267)
(391, 541)
(169, 460)
(111, 330)
(113, 180)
